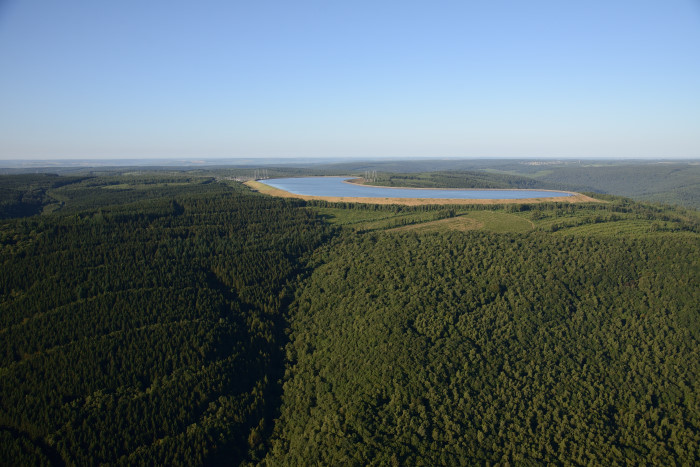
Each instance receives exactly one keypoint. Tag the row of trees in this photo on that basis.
(457, 179)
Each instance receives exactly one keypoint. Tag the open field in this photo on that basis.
(461, 224)
(262, 188)
(489, 221)
(632, 228)
(591, 220)
(361, 220)
(502, 221)
(143, 186)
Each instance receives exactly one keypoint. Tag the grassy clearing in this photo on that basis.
(49, 208)
(400, 221)
(553, 221)
(625, 228)
(142, 186)
(495, 221)
(461, 224)
(340, 216)
(491, 221)
(364, 220)
(560, 220)
(580, 223)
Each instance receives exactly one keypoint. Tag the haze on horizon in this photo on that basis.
(349, 79)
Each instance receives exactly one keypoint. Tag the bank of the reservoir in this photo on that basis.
(337, 190)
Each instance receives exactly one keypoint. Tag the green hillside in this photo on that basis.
(180, 318)
(670, 183)
(147, 331)
(462, 348)
(676, 183)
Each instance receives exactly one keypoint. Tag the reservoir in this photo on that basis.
(337, 186)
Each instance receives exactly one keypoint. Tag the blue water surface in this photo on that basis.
(336, 186)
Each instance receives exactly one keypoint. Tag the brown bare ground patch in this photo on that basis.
(460, 224)
(268, 190)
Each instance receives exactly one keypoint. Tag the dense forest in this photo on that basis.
(179, 318)
(460, 348)
(147, 331)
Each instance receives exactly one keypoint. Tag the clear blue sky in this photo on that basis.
(108, 79)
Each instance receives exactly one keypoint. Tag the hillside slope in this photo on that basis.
(456, 348)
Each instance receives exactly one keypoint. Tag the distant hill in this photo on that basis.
(670, 183)
(662, 182)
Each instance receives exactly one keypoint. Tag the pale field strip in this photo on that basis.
(268, 190)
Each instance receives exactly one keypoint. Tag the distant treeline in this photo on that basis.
(458, 179)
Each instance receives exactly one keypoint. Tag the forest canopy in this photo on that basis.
(177, 318)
